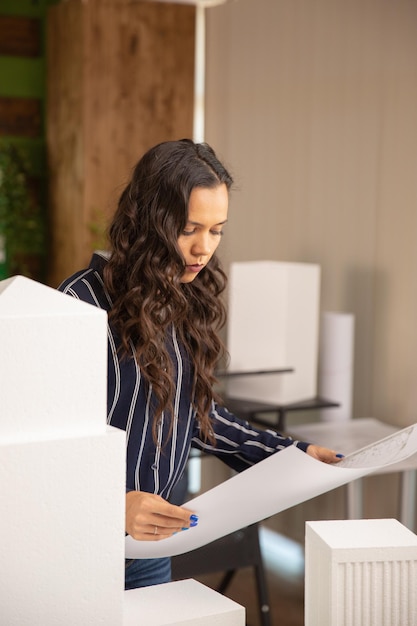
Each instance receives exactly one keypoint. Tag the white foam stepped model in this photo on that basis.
(273, 322)
(360, 573)
(62, 468)
(62, 487)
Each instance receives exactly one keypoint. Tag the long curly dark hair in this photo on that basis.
(143, 275)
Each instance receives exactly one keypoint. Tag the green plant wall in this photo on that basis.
(22, 134)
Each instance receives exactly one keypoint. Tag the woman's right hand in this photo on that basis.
(151, 518)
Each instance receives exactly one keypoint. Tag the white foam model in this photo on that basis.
(62, 492)
(273, 322)
(62, 468)
(181, 603)
(54, 360)
(360, 573)
(335, 370)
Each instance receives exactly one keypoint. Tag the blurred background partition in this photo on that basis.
(120, 79)
(313, 105)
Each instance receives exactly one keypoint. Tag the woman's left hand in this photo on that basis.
(323, 454)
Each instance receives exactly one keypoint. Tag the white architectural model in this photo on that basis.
(63, 478)
(273, 322)
(360, 573)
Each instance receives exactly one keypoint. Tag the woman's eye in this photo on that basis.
(217, 233)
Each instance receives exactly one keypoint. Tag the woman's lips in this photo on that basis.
(194, 268)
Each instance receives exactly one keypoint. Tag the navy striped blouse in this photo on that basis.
(158, 468)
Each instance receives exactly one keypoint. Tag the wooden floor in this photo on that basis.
(285, 578)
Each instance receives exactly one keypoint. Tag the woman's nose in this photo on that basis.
(201, 245)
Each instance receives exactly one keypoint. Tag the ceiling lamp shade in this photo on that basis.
(200, 3)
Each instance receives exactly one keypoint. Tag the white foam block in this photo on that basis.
(53, 362)
(62, 531)
(336, 360)
(181, 603)
(360, 572)
(273, 322)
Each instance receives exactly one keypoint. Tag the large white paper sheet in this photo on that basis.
(387, 451)
(281, 481)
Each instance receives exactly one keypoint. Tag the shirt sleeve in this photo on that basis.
(238, 443)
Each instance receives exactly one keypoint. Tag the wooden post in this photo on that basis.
(120, 79)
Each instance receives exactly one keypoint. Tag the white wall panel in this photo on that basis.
(312, 104)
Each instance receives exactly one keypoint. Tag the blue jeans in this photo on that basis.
(146, 572)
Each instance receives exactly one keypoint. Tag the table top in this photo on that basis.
(346, 436)
(262, 372)
(255, 406)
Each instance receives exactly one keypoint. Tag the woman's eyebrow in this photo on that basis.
(199, 224)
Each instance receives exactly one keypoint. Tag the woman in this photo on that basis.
(161, 286)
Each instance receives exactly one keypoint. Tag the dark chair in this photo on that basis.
(228, 554)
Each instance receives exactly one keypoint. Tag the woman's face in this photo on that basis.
(207, 213)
